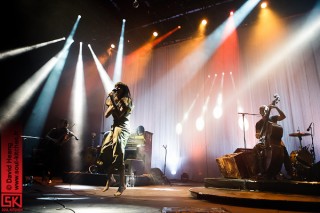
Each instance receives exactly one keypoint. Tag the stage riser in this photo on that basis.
(290, 187)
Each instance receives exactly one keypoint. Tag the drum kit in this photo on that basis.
(303, 158)
(91, 157)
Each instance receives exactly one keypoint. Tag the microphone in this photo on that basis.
(113, 91)
(309, 126)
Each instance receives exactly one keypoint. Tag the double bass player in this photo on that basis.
(271, 145)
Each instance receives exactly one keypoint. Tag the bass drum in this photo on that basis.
(302, 156)
(302, 161)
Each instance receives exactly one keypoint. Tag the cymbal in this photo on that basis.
(299, 134)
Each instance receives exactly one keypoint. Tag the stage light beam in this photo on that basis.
(77, 110)
(107, 83)
(40, 112)
(118, 65)
(21, 50)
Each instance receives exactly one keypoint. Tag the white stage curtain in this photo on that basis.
(166, 83)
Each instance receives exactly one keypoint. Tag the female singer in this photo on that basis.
(111, 158)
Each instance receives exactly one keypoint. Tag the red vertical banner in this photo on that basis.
(11, 169)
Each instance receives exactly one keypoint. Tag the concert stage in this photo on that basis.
(178, 197)
(286, 195)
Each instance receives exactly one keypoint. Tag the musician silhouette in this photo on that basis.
(54, 140)
(267, 142)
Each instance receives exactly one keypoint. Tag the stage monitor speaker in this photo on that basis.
(158, 178)
(238, 165)
(315, 172)
(231, 166)
(134, 166)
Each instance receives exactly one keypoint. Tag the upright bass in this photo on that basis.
(271, 133)
(270, 144)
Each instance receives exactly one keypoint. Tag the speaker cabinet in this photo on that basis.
(315, 172)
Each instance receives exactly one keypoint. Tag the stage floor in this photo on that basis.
(177, 197)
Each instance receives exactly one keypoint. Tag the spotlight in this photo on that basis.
(135, 4)
(231, 13)
(113, 46)
(155, 34)
(204, 22)
(264, 4)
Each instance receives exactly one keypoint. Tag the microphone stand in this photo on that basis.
(244, 140)
(165, 165)
(312, 145)
(165, 160)
(244, 130)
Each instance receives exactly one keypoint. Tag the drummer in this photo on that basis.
(274, 119)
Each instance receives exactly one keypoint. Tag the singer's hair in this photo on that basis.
(125, 89)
